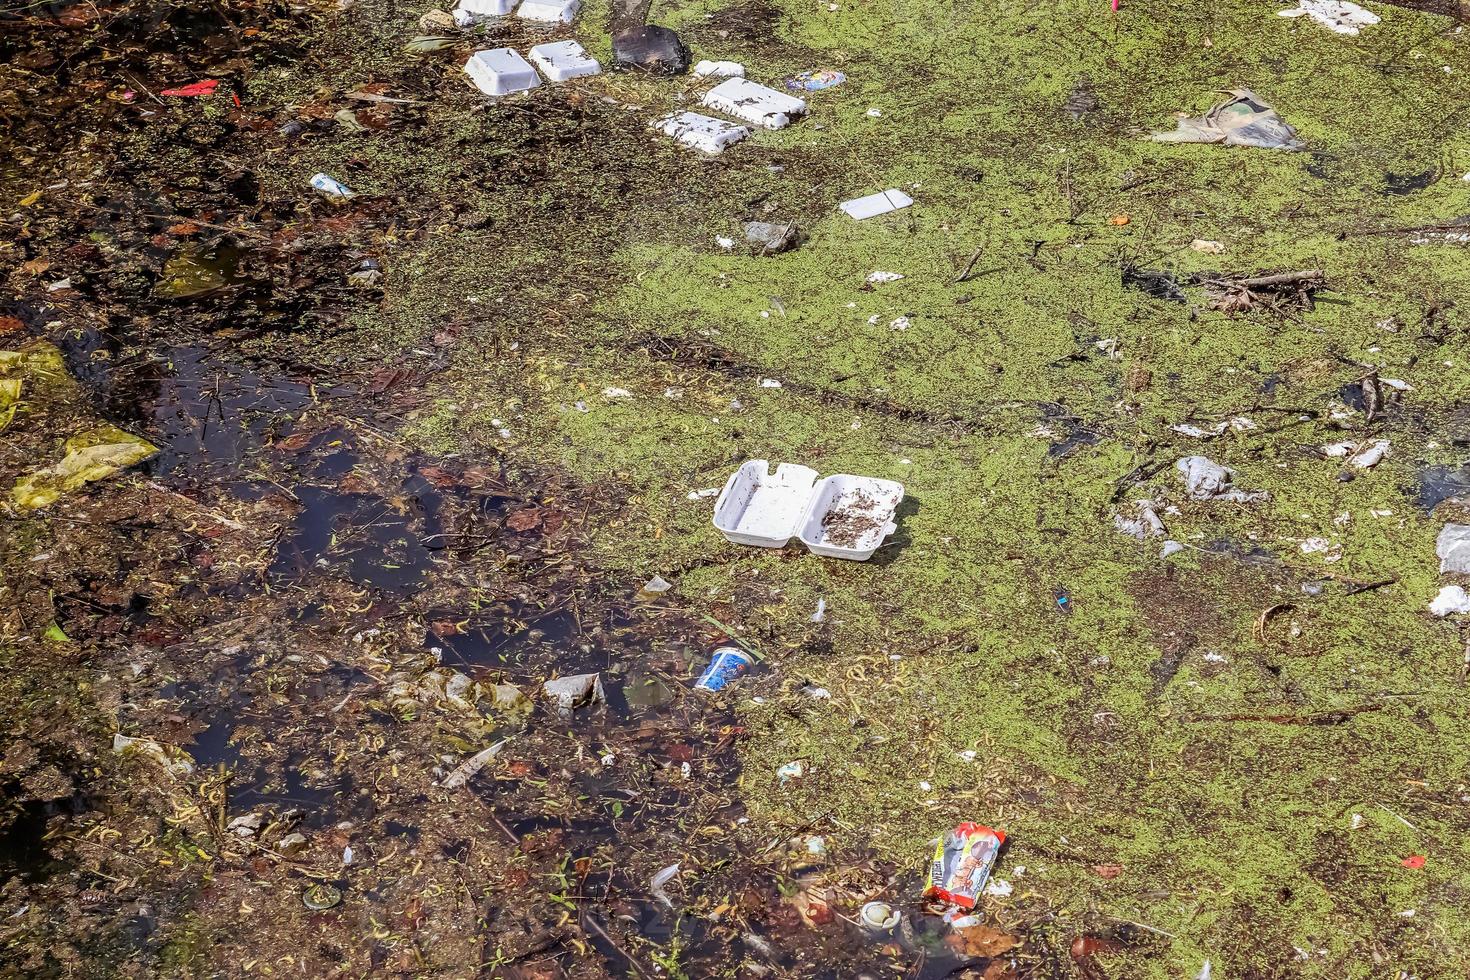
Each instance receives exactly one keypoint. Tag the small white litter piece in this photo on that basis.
(469, 12)
(876, 278)
(719, 69)
(1335, 15)
(705, 133)
(873, 205)
(550, 11)
(1205, 479)
(1451, 599)
(841, 516)
(501, 71)
(1453, 548)
(328, 187)
(561, 61)
(754, 103)
(1370, 455)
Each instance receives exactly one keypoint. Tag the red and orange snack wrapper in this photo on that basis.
(962, 863)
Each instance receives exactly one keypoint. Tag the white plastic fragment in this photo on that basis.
(881, 277)
(501, 71)
(657, 584)
(569, 693)
(755, 103)
(561, 61)
(999, 888)
(1451, 599)
(328, 187)
(175, 761)
(616, 393)
(1146, 525)
(704, 494)
(469, 12)
(1370, 455)
(1335, 15)
(1207, 246)
(1453, 548)
(719, 69)
(550, 11)
(862, 208)
(705, 133)
(1170, 547)
(1208, 480)
(658, 881)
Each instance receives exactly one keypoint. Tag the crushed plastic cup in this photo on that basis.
(725, 664)
(815, 79)
(879, 917)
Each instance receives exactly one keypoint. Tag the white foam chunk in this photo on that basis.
(701, 132)
(551, 11)
(469, 12)
(876, 204)
(719, 69)
(563, 60)
(501, 71)
(755, 103)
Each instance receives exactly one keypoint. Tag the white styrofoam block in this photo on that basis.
(755, 103)
(876, 204)
(501, 71)
(560, 61)
(468, 12)
(551, 11)
(701, 132)
(760, 508)
(719, 69)
(849, 516)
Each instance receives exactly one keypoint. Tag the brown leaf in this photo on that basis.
(1108, 871)
(10, 324)
(524, 520)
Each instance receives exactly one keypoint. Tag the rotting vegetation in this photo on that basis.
(1225, 755)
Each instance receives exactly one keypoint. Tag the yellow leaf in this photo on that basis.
(90, 456)
(30, 199)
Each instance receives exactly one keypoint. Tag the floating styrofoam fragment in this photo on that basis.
(1453, 548)
(550, 11)
(755, 103)
(702, 132)
(1335, 15)
(1451, 599)
(501, 71)
(561, 61)
(881, 277)
(876, 204)
(469, 12)
(1370, 455)
(719, 69)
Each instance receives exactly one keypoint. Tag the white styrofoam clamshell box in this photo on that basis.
(561, 61)
(869, 501)
(501, 71)
(765, 509)
(551, 11)
(701, 132)
(875, 204)
(468, 12)
(754, 102)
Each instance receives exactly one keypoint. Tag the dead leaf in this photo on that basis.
(524, 520)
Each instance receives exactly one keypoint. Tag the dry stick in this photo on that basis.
(1278, 279)
(1323, 718)
(969, 267)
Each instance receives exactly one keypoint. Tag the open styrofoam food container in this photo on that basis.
(842, 516)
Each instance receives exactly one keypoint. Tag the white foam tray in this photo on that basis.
(561, 61)
(765, 510)
(501, 71)
(701, 132)
(875, 204)
(754, 103)
(473, 11)
(550, 11)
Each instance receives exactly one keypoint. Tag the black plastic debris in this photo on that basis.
(653, 49)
